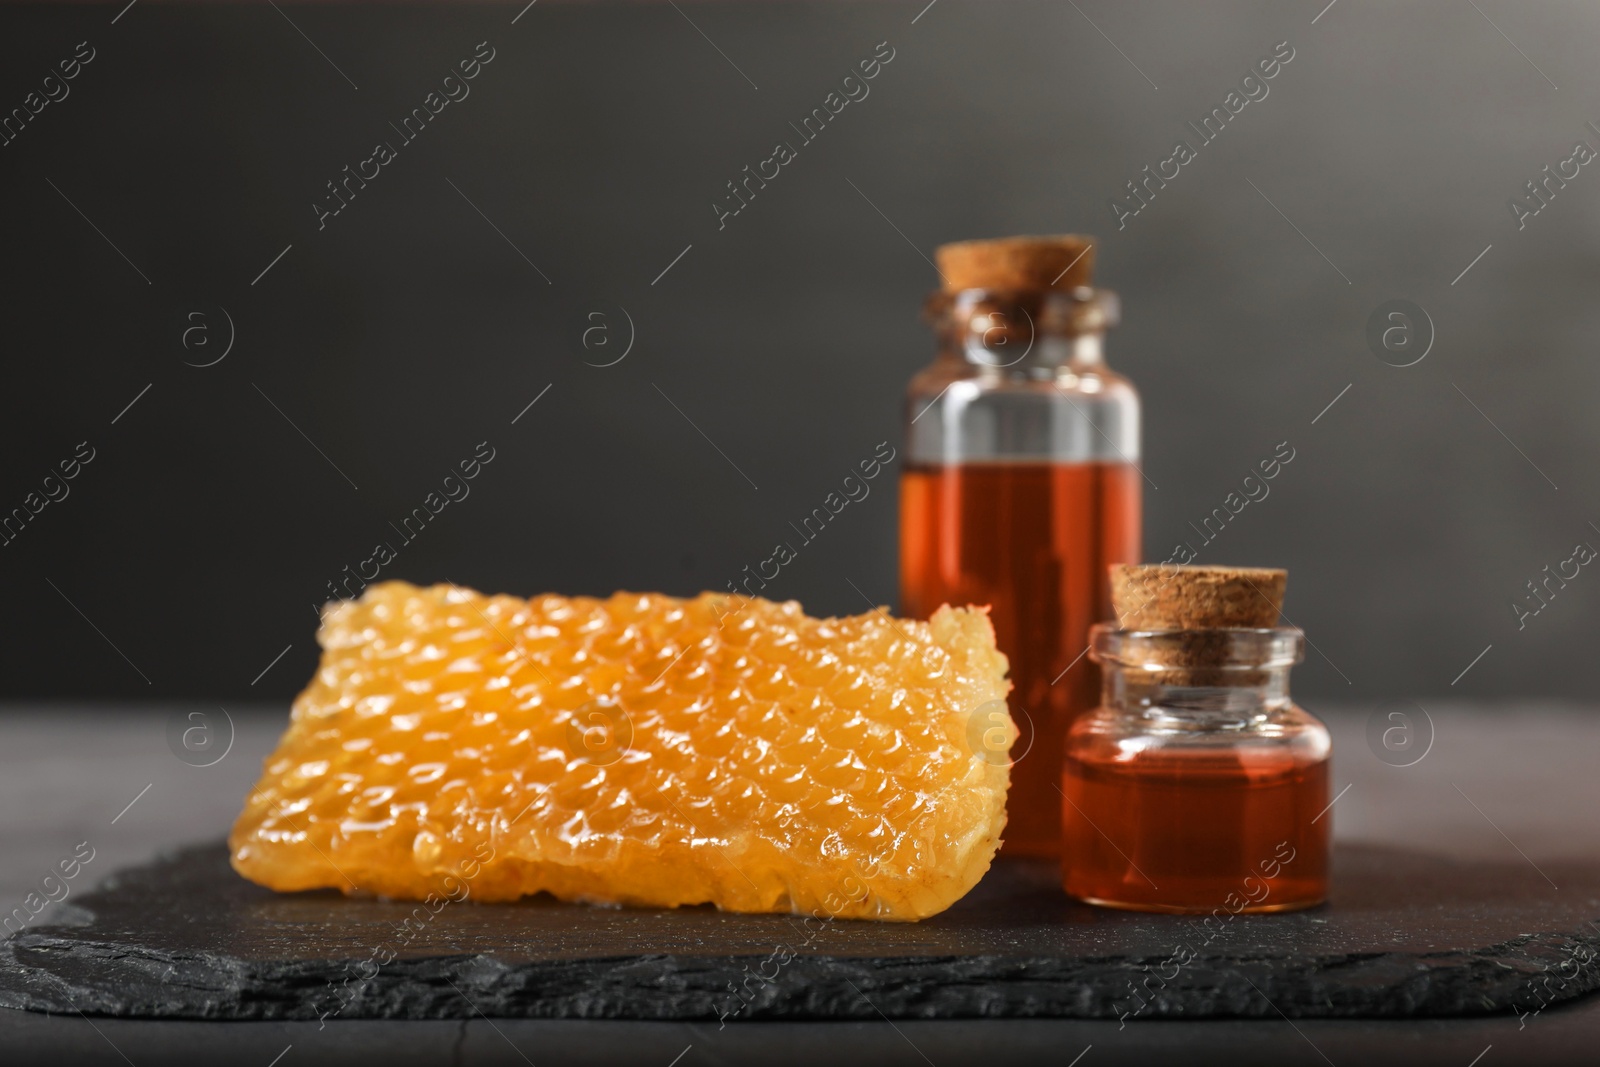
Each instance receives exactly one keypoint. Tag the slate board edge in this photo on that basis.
(41, 972)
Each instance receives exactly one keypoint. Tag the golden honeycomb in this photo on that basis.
(639, 750)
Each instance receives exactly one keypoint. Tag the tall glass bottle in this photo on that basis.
(1022, 484)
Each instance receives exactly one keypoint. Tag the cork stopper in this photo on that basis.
(1060, 262)
(1168, 597)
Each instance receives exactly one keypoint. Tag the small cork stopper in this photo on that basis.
(1060, 262)
(1169, 597)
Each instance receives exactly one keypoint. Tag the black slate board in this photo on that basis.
(1406, 936)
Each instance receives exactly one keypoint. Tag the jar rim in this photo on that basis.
(1240, 649)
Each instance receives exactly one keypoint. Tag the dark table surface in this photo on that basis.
(1507, 783)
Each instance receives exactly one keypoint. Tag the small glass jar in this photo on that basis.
(1197, 785)
(1022, 485)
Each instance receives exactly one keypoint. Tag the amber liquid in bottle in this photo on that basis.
(1188, 831)
(1032, 540)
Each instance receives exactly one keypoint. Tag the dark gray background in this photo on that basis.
(408, 330)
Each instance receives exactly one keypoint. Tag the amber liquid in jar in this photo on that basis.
(1032, 540)
(1195, 831)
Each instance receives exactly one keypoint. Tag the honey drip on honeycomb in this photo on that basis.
(638, 750)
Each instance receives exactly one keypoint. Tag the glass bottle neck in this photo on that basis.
(1203, 679)
(1021, 378)
(1074, 353)
(1025, 332)
(1201, 698)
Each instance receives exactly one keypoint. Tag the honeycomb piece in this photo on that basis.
(640, 750)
